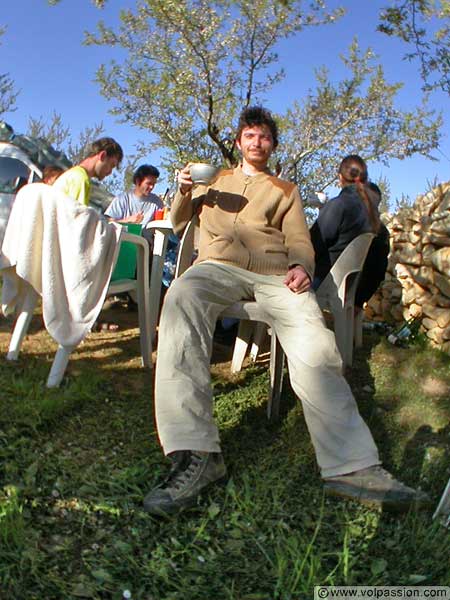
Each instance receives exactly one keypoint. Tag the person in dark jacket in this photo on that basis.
(353, 212)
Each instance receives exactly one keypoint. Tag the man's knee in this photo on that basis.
(319, 350)
(181, 290)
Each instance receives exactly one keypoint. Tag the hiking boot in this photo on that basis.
(374, 486)
(191, 473)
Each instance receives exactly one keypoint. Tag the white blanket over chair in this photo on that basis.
(66, 252)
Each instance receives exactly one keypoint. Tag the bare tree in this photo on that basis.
(59, 135)
(8, 94)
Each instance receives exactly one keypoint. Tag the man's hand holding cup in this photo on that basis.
(185, 182)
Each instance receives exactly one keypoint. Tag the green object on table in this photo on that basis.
(126, 261)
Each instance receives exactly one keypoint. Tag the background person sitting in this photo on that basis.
(139, 205)
(103, 155)
(353, 212)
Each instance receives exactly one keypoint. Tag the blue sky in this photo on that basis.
(42, 51)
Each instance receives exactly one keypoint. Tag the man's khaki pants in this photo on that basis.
(184, 405)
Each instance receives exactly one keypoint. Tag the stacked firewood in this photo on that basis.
(418, 279)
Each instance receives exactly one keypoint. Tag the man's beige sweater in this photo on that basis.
(252, 222)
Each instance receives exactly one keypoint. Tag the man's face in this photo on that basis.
(145, 186)
(105, 165)
(256, 145)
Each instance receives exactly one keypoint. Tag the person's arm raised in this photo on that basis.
(185, 182)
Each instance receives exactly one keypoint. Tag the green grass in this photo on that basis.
(76, 462)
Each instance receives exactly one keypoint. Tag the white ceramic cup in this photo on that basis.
(203, 173)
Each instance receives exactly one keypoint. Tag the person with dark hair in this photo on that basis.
(102, 156)
(255, 116)
(139, 205)
(254, 244)
(343, 218)
(51, 173)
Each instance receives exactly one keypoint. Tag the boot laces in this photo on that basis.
(183, 471)
(379, 470)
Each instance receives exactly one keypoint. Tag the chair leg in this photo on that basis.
(144, 306)
(358, 328)
(159, 253)
(443, 508)
(240, 347)
(276, 377)
(259, 334)
(349, 336)
(59, 366)
(343, 330)
(22, 323)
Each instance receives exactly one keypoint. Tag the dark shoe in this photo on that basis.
(191, 473)
(374, 486)
(131, 304)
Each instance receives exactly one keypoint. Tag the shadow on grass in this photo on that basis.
(269, 533)
(363, 385)
(415, 528)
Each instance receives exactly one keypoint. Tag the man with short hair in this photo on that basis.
(139, 205)
(103, 155)
(254, 244)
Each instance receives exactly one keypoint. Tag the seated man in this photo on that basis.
(254, 244)
(138, 206)
(102, 156)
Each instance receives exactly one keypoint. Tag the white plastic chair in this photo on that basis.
(140, 285)
(337, 293)
(358, 328)
(443, 508)
(246, 312)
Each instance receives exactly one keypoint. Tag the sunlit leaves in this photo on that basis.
(356, 114)
(185, 69)
(425, 26)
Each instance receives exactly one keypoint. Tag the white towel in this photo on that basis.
(66, 252)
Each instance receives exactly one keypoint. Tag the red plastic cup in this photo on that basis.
(159, 214)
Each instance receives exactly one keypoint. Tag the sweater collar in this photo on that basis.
(248, 178)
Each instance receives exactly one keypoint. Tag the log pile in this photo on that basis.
(418, 279)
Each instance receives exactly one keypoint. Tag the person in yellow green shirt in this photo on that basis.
(103, 155)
